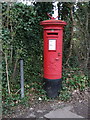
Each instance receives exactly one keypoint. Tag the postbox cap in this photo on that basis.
(53, 22)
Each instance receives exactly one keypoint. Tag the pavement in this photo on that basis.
(62, 113)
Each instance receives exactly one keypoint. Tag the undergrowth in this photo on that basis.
(73, 79)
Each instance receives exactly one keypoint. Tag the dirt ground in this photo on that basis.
(79, 101)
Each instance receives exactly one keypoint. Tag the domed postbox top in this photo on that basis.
(53, 22)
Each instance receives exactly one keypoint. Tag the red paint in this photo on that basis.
(53, 35)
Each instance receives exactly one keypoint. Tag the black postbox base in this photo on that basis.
(52, 87)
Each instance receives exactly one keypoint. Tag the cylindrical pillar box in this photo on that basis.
(53, 35)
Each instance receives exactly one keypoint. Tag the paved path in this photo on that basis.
(62, 113)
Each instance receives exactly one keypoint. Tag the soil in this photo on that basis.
(79, 101)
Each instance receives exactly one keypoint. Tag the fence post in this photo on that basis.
(22, 78)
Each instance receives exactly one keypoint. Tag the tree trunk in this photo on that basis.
(72, 32)
(7, 74)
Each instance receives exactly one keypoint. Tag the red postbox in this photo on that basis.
(53, 35)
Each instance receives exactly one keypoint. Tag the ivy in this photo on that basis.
(22, 39)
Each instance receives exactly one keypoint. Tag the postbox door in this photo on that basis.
(53, 54)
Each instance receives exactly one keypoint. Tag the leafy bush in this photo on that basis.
(22, 39)
(73, 79)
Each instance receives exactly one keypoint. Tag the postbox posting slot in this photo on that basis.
(52, 33)
(52, 44)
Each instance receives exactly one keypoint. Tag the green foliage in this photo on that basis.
(22, 39)
(73, 79)
(65, 95)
